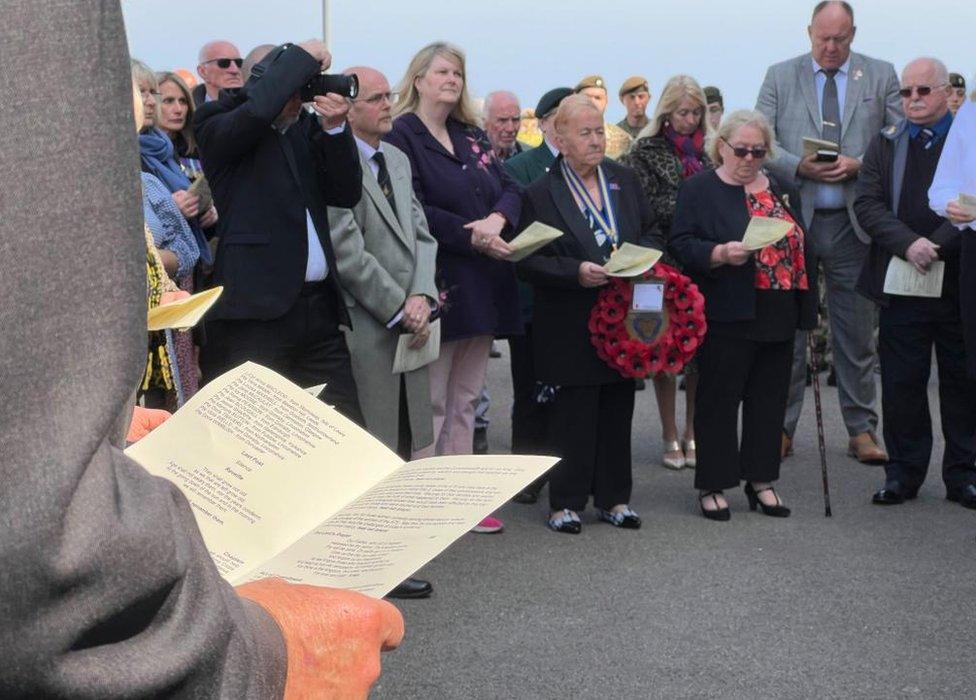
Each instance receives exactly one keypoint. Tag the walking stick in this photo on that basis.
(820, 428)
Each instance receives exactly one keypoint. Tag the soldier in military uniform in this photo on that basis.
(634, 96)
(716, 106)
(957, 98)
(618, 140)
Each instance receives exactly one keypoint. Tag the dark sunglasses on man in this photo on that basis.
(224, 63)
(741, 151)
(922, 90)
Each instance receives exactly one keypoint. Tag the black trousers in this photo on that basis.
(589, 428)
(736, 371)
(528, 415)
(907, 332)
(304, 345)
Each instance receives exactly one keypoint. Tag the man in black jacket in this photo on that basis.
(892, 207)
(273, 169)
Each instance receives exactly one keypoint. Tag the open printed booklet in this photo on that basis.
(184, 313)
(535, 236)
(968, 203)
(631, 260)
(283, 485)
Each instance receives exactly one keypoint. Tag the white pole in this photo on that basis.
(326, 25)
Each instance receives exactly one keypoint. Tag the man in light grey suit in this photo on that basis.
(847, 98)
(106, 587)
(386, 257)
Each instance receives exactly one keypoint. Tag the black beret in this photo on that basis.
(551, 100)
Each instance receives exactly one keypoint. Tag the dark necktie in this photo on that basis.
(383, 178)
(925, 137)
(830, 109)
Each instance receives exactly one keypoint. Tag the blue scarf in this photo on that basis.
(158, 158)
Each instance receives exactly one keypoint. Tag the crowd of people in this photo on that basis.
(337, 220)
(337, 226)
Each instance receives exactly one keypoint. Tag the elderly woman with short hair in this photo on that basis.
(598, 205)
(670, 149)
(469, 200)
(753, 306)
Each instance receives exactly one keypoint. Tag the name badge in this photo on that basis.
(648, 298)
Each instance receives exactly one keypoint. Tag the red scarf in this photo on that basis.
(689, 149)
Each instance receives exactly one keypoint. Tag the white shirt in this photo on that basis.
(368, 152)
(831, 195)
(956, 173)
(316, 267)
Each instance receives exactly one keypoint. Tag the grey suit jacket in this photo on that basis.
(106, 588)
(788, 98)
(384, 257)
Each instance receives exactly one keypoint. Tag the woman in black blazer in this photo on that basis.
(753, 305)
(592, 405)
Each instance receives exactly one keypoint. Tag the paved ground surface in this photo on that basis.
(872, 603)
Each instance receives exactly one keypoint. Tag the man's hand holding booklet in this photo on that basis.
(284, 486)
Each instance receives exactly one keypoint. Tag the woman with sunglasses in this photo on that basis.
(753, 304)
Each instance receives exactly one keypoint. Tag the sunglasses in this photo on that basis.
(224, 63)
(922, 90)
(741, 151)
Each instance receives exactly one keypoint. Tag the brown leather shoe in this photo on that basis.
(787, 447)
(865, 449)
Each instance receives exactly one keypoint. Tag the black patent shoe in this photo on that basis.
(627, 519)
(893, 494)
(721, 514)
(412, 588)
(965, 496)
(567, 522)
(776, 511)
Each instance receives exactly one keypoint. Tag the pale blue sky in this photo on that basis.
(533, 45)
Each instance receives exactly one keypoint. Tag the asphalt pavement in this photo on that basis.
(875, 602)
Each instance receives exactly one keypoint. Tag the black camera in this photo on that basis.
(345, 85)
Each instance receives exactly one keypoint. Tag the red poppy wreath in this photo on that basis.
(618, 342)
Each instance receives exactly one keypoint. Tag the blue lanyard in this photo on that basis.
(608, 223)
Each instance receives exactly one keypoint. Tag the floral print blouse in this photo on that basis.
(780, 265)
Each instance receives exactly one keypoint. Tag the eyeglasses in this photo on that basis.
(391, 97)
(759, 152)
(224, 63)
(922, 90)
(146, 94)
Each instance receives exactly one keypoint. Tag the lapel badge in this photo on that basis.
(857, 74)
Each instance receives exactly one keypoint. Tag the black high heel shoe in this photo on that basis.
(721, 514)
(776, 511)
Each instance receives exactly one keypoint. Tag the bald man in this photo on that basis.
(220, 68)
(893, 208)
(837, 95)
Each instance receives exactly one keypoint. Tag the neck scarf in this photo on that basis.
(157, 153)
(156, 150)
(687, 148)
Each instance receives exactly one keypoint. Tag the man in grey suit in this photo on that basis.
(386, 257)
(106, 587)
(846, 98)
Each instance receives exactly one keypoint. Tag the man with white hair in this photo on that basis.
(503, 117)
(892, 207)
(219, 66)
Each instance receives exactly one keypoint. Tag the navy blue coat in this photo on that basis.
(455, 190)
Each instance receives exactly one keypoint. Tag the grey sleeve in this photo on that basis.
(106, 588)
(785, 164)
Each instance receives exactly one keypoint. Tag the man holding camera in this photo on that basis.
(274, 168)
